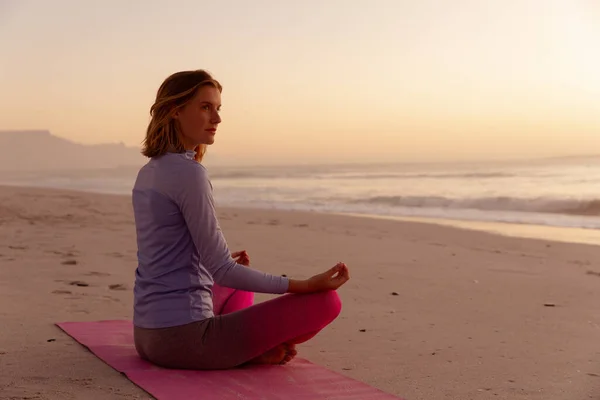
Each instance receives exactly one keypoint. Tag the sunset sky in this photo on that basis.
(331, 80)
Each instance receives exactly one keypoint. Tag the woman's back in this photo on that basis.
(171, 287)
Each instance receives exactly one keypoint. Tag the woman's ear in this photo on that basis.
(175, 113)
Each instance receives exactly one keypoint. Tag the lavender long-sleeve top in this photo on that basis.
(181, 249)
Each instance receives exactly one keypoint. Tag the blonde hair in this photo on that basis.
(176, 91)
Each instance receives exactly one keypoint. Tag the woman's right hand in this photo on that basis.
(331, 279)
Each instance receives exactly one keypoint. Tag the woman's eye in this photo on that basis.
(206, 107)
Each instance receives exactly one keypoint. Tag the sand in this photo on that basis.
(431, 312)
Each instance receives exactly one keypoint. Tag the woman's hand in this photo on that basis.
(241, 257)
(331, 279)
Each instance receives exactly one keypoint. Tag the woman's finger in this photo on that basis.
(346, 272)
(332, 272)
(239, 253)
(343, 276)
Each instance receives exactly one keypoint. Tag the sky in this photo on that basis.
(316, 80)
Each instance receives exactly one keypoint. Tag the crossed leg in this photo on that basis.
(242, 333)
(227, 300)
(242, 336)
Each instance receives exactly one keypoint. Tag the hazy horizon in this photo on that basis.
(327, 83)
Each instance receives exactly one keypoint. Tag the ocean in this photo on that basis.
(551, 192)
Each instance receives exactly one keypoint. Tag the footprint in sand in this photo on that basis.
(118, 286)
(94, 273)
(79, 283)
(301, 225)
(67, 254)
(83, 381)
(115, 254)
(273, 222)
(17, 247)
(130, 256)
(62, 292)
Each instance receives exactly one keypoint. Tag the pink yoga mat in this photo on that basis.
(112, 342)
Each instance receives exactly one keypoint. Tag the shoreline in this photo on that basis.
(525, 231)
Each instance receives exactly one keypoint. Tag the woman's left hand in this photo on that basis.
(241, 257)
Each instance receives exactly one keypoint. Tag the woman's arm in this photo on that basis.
(197, 206)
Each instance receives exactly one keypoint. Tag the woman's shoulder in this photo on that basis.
(172, 172)
(180, 163)
(184, 173)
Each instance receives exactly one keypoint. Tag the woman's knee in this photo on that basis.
(330, 305)
(237, 301)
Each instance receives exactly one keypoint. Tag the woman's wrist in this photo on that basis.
(299, 286)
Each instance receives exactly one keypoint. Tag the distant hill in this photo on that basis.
(40, 150)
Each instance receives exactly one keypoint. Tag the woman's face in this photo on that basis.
(199, 118)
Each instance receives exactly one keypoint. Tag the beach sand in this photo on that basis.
(431, 312)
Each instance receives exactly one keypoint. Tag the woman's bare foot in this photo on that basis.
(291, 353)
(281, 354)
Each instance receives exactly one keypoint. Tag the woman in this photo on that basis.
(192, 297)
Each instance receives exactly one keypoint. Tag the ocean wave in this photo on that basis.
(584, 207)
(240, 175)
(438, 175)
(276, 174)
